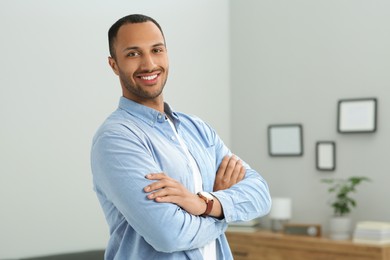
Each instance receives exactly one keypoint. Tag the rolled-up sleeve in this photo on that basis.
(247, 199)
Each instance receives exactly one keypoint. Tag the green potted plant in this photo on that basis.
(342, 204)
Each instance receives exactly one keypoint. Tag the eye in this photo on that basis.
(158, 50)
(132, 54)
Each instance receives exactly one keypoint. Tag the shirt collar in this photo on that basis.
(147, 114)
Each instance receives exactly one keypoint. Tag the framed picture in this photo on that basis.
(285, 140)
(326, 156)
(357, 115)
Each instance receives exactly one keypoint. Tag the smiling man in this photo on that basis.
(166, 182)
(139, 57)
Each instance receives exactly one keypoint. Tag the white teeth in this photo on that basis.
(149, 77)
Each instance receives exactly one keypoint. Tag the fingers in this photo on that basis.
(232, 168)
(237, 169)
(164, 189)
(161, 182)
(160, 194)
(230, 171)
(226, 166)
(223, 165)
(241, 175)
(155, 176)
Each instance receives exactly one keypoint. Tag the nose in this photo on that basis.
(147, 62)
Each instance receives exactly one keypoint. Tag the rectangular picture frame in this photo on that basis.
(285, 140)
(357, 115)
(326, 155)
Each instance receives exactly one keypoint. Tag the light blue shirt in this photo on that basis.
(136, 140)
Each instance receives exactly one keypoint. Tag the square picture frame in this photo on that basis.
(285, 140)
(357, 115)
(326, 155)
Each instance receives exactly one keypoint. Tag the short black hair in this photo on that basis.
(132, 18)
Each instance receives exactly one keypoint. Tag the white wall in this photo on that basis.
(56, 88)
(293, 60)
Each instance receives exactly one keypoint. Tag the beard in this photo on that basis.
(138, 90)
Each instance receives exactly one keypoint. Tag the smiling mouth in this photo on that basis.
(152, 77)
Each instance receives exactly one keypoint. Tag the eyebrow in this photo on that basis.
(137, 48)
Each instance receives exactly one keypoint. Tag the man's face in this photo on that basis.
(141, 62)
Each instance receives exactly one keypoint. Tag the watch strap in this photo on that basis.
(209, 204)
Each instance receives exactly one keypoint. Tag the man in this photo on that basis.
(167, 183)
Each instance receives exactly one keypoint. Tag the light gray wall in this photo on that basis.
(292, 62)
(56, 88)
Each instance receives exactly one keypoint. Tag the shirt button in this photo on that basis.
(172, 138)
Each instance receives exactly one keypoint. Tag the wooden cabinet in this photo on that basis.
(266, 245)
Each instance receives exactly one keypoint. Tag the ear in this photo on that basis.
(113, 65)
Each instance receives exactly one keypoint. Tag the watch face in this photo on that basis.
(207, 195)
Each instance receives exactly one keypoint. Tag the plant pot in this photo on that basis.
(340, 228)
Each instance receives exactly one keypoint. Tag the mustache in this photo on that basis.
(149, 71)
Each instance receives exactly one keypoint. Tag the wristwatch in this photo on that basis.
(209, 199)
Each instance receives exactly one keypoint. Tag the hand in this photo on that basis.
(168, 190)
(230, 172)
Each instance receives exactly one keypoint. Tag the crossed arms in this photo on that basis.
(166, 189)
(163, 210)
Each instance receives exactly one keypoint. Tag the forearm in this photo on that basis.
(217, 211)
(248, 199)
(167, 190)
(250, 195)
(165, 226)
